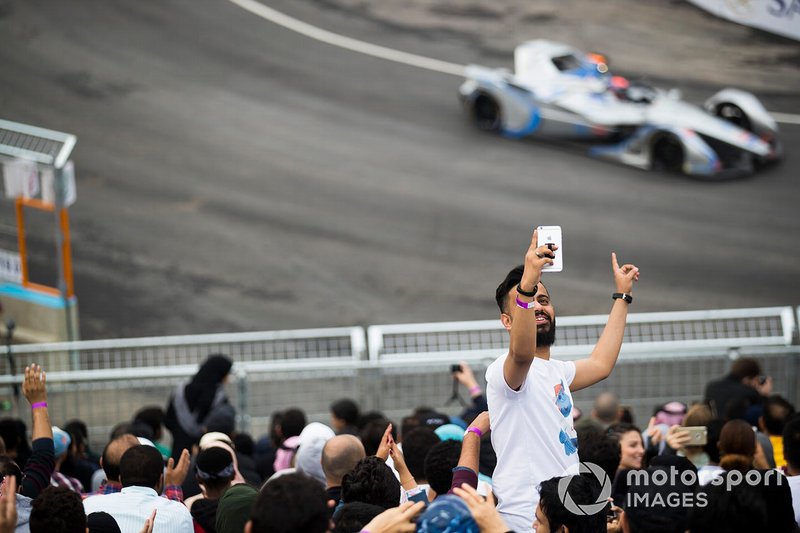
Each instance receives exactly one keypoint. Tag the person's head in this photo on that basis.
(371, 481)
(631, 445)
(11, 435)
(57, 509)
(439, 464)
(551, 514)
(309, 454)
(776, 412)
(372, 434)
(214, 370)
(8, 467)
(447, 514)
(740, 507)
(101, 522)
(214, 471)
(290, 503)
(647, 505)
(737, 445)
(606, 407)
(416, 445)
(600, 449)
(61, 443)
(233, 509)
(791, 442)
(141, 466)
(671, 413)
(244, 444)
(292, 422)
(339, 456)
(353, 516)
(80, 437)
(153, 416)
(746, 370)
(506, 295)
(112, 454)
(344, 413)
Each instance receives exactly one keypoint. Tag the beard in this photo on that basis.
(546, 337)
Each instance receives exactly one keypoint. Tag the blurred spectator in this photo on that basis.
(214, 472)
(344, 416)
(233, 509)
(58, 509)
(109, 462)
(552, 515)
(101, 523)
(631, 445)
(466, 378)
(141, 473)
(352, 517)
(191, 486)
(737, 446)
(791, 452)
(62, 442)
(14, 435)
(309, 453)
(777, 410)
(290, 504)
(193, 405)
(340, 455)
(80, 463)
(439, 464)
(730, 510)
(671, 413)
(744, 386)
(368, 417)
(711, 470)
(372, 433)
(267, 445)
(371, 481)
(288, 430)
(600, 449)
(416, 445)
(153, 417)
(244, 444)
(605, 412)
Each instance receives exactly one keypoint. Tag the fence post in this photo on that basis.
(242, 413)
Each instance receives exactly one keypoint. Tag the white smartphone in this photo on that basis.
(552, 235)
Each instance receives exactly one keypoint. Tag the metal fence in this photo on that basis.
(395, 368)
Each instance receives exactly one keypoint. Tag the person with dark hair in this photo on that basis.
(529, 393)
(57, 509)
(439, 464)
(631, 445)
(340, 455)
(371, 481)
(738, 508)
(352, 517)
(100, 522)
(600, 449)
(711, 470)
(153, 417)
(141, 473)
(191, 406)
(344, 416)
(368, 417)
(80, 462)
(233, 510)
(743, 387)
(214, 472)
(289, 504)
(416, 445)
(791, 453)
(291, 424)
(372, 434)
(776, 411)
(13, 432)
(552, 514)
(466, 377)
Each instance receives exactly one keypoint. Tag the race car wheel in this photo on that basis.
(668, 154)
(734, 114)
(486, 112)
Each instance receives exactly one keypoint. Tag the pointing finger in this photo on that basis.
(614, 263)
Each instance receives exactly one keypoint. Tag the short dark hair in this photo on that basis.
(10, 468)
(600, 449)
(371, 481)
(290, 503)
(244, 444)
(745, 367)
(292, 422)
(345, 409)
(583, 489)
(372, 433)
(513, 278)
(153, 416)
(416, 446)
(214, 468)
(777, 411)
(439, 464)
(740, 507)
(650, 517)
(57, 509)
(353, 516)
(141, 466)
(791, 441)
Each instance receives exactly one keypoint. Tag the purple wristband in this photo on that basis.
(37, 405)
(525, 305)
(473, 391)
(474, 430)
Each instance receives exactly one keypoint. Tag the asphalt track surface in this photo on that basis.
(235, 176)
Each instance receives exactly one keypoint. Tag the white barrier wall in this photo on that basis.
(776, 16)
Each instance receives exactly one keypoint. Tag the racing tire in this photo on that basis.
(735, 115)
(667, 154)
(486, 113)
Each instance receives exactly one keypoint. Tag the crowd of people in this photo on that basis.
(520, 457)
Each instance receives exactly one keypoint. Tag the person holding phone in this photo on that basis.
(529, 394)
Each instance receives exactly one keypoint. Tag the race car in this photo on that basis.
(557, 91)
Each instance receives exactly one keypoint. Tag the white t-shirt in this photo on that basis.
(532, 434)
(794, 484)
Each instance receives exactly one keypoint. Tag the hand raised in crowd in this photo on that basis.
(396, 519)
(481, 422)
(654, 434)
(383, 447)
(765, 388)
(677, 437)
(465, 376)
(484, 511)
(614, 525)
(535, 259)
(34, 384)
(150, 522)
(625, 275)
(176, 473)
(8, 505)
(406, 478)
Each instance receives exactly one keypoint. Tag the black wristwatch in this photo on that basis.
(622, 295)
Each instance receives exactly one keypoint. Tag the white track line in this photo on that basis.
(382, 52)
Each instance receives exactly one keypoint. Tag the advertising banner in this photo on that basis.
(781, 17)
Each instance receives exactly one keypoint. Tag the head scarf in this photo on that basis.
(309, 454)
(199, 393)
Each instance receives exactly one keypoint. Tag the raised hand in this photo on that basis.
(8, 505)
(176, 474)
(483, 511)
(383, 448)
(150, 522)
(396, 519)
(535, 259)
(625, 275)
(34, 384)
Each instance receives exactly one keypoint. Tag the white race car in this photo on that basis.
(557, 91)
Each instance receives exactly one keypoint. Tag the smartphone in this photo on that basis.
(552, 235)
(698, 435)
